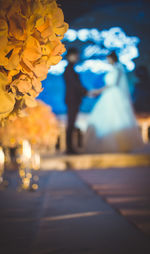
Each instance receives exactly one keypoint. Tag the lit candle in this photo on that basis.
(36, 161)
(26, 151)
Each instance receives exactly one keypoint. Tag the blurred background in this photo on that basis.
(83, 204)
(96, 28)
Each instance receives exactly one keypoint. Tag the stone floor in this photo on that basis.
(126, 190)
(78, 212)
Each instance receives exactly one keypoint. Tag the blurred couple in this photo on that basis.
(111, 125)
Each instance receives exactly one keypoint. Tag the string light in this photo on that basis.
(100, 43)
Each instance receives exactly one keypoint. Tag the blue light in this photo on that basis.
(83, 34)
(94, 50)
(70, 35)
(59, 68)
(100, 43)
(95, 35)
(96, 66)
(130, 66)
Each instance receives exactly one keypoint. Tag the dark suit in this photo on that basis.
(74, 94)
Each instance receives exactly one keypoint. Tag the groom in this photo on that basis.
(74, 94)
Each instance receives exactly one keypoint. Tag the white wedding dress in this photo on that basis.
(112, 125)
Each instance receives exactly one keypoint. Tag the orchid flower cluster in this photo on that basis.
(39, 126)
(30, 43)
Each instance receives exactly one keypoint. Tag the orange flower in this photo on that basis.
(13, 60)
(42, 132)
(23, 84)
(44, 27)
(30, 42)
(3, 33)
(17, 26)
(32, 50)
(37, 85)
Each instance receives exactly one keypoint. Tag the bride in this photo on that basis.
(112, 125)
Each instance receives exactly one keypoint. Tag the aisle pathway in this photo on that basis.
(127, 190)
(66, 216)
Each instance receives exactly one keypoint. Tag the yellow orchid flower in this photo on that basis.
(13, 60)
(15, 30)
(32, 50)
(7, 102)
(30, 42)
(23, 84)
(3, 33)
(4, 80)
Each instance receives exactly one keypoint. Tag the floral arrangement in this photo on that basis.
(39, 126)
(30, 42)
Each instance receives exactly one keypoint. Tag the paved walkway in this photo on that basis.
(126, 190)
(65, 216)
